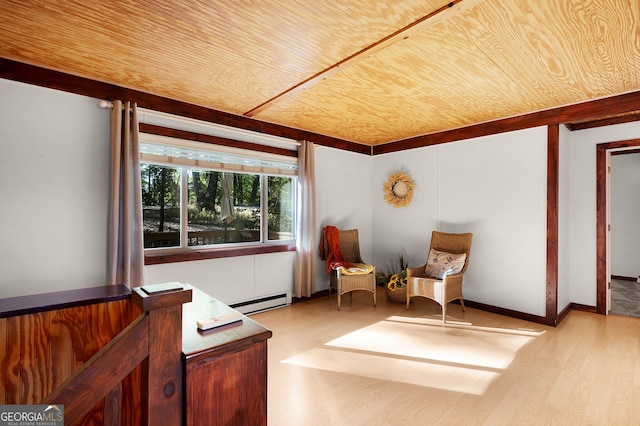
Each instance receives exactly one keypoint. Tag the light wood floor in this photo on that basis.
(389, 366)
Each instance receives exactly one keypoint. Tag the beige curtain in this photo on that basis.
(305, 272)
(126, 249)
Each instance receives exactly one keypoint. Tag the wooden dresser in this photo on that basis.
(225, 368)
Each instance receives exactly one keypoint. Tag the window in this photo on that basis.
(160, 205)
(195, 196)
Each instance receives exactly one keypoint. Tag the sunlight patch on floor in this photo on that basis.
(455, 344)
(447, 377)
(458, 357)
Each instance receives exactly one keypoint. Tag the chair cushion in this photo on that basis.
(356, 269)
(441, 263)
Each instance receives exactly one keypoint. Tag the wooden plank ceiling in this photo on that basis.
(365, 71)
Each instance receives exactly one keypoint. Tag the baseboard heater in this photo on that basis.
(262, 304)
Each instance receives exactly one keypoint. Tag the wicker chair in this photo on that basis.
(343, 283)
(449, 287)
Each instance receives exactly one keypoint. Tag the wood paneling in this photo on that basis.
(485, 60)
(225, 368)
(229, 390)
(39, 350)
(125, 352)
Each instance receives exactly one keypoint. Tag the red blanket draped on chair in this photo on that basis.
(330, 249)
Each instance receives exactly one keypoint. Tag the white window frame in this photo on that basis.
(257, 163)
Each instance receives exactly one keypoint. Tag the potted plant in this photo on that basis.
(395, 276)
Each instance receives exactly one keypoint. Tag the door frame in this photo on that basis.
(602, 206)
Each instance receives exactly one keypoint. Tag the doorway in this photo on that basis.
(624, 246)
(603, 234)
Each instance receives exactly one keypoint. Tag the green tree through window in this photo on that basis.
(221, 207)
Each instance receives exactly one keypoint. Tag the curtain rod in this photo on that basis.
(214, 126)
(105, 104)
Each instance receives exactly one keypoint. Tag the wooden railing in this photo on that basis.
(153, 340)
(200, 238)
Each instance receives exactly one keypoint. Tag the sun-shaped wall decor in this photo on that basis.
(398, 190)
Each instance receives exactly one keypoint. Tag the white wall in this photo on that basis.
(344, 199)
(54, 165)
(54, 191)
(582, 205)
(233, 279)
(405, 229)
(54, 183)
(492, 186)
(625, 211)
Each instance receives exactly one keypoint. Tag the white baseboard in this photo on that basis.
(262, 304)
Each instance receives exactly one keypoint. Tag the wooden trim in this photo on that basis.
(623, 278)
(553, 155)
(628, 118)
(316, 295)
(217, 253)
(583, 308)
(626, 151)
(216, 140)
(563, 314)
(601, 231)
(30, 74)
(506, 312)
(353, 59)
(601, 219)
(530, 317)
(619, 104)
(476, 305)
(31, 304)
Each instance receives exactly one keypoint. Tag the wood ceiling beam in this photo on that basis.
(437, 15)
(31, 74)
(590, 110)
(604, 121)
(619, 104)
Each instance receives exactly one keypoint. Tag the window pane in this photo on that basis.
(281, 208)
(160, 205)
(223, 207)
